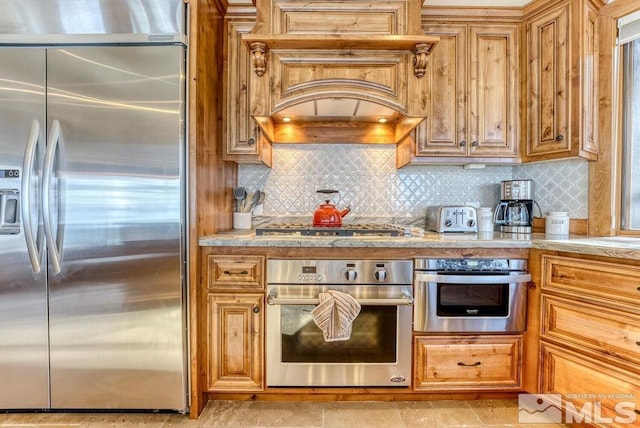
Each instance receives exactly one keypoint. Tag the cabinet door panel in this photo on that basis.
(244, 141)
(445, 128)
(493, 96)
(235, 348)
(548, 83)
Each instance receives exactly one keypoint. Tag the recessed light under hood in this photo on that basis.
(337, 109)
(336, 68)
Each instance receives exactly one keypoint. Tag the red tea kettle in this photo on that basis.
(327, 215)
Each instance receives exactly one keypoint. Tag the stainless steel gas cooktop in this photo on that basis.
(300, 229)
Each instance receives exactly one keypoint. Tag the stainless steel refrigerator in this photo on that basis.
(92, 205)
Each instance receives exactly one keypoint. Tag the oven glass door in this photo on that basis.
(465, 300)
(373, 337)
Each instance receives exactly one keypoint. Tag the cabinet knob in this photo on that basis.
(251, 141)
(256, 309)
(560, 138)
(474, 144)
(463, 143)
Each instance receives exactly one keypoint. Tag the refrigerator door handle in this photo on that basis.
(35, 251)
(52, 145)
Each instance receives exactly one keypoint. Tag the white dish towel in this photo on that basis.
(334, 315)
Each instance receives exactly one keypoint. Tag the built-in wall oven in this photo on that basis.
(470, 295)
(378, 351)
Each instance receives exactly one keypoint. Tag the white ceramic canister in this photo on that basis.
(242, 220)
(557, 223)
(485, 219)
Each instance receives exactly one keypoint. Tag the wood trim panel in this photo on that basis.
(603, 182)
(367, 253)
(531, 337)
(210, 179)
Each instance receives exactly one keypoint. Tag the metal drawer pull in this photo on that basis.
(482, 279)
(273, 299)
(235, 272)
(477, 363)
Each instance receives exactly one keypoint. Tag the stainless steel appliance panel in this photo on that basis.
(23, 296)
(378, 351)
(492, 295)
(80, 17)
(113, 186)
(377, 354)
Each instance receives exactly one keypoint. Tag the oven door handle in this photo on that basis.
(273, 299)
(473, 279)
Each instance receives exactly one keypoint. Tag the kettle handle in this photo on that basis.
(327, 191)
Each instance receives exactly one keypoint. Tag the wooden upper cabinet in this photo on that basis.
(473, 107)
(446, 126)
(493, 91)
(244, 140)
(561, 82)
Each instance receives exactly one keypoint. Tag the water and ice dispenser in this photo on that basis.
(9, 201)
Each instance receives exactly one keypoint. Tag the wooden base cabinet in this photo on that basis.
(235, 342)
(234, 323)
(592, 386)
(590, 336)
(488, 362)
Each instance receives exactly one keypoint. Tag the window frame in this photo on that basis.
(605, 174)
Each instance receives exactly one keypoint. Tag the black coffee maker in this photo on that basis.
(514, 213)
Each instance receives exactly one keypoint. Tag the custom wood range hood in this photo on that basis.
(341, 71)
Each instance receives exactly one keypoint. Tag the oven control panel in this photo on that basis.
(388, 272)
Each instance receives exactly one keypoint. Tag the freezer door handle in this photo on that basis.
(34, 247)
(52, 245)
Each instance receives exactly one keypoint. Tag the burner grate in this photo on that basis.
(297, 229)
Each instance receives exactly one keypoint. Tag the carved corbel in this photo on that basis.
(420, 59)
(259, 52)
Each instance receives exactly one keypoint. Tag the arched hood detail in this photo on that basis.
(333, 64)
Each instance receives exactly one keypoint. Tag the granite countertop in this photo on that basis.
(621, 247)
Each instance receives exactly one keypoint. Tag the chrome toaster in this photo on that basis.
(452, 218)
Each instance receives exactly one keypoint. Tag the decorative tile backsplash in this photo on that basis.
(369, 182)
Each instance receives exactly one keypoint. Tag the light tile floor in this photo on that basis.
(341, 414)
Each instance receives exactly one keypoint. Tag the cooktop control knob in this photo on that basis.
(380, 275)
(351, 275)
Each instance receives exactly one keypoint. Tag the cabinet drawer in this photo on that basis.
(591, 278)
(233, 272)
(457, 362)
(582, 378)
(603, 330)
